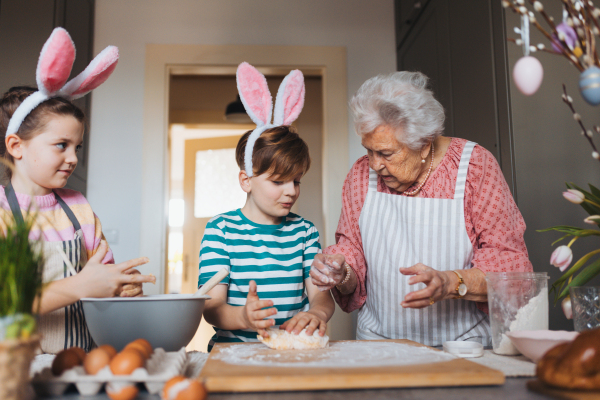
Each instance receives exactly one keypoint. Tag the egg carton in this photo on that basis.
(161, 367)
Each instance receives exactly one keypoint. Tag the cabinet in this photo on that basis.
(24, 27)
(460, 46)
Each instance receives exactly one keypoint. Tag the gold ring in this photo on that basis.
(431, 301)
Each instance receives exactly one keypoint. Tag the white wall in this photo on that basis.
(364, 27)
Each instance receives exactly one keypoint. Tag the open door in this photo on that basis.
(210, 187)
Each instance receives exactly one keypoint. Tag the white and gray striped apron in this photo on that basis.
(400, 231)
(65, 327)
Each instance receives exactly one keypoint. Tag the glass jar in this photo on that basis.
(585, 301)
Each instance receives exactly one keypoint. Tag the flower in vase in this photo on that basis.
(561, 257)
(592, 220)
(574, 196)
(566, 307)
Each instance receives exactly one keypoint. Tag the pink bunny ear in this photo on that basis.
(94, 75)
(254, 93)
(290, 98)
(56, 61)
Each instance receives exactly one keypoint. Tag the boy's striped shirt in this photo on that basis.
(277, 257)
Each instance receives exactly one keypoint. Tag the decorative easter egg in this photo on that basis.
(589, 85)
(568, 34)
(528, 74)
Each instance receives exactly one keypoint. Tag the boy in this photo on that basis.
(263, 243)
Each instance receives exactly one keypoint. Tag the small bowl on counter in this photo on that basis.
(167, 321)
(534, 344)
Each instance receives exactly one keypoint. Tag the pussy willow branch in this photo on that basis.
(569, 102)
(565, 50)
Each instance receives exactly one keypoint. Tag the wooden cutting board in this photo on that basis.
(220, 376)
(565, 394)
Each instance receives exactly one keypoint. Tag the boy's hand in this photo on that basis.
(306, 320)
(253, 313)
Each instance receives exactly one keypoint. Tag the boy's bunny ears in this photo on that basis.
(53, 70)
(258, 102)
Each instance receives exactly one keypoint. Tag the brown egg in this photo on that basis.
(80, 352)
(146, 344)
(96, 360)
(127, 361)
(65, 360)
(140, 347)
(125, 393)
(180, 388)
(109, 349)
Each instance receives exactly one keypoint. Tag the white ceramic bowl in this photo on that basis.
(534, 344)
(169, 321)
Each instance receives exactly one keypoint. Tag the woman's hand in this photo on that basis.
(438, 286)
(327, 270)
(306, 320)
(255, 311)
(108, 280)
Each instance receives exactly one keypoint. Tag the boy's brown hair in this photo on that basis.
(279, 151)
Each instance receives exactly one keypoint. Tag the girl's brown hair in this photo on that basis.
(279, 151)
(37, 119)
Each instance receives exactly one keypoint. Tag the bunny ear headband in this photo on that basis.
(257, 100)
(53, 70)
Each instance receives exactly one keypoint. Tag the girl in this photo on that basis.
(43, 131)
(263, 242)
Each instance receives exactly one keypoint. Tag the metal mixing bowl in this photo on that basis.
(169, 321)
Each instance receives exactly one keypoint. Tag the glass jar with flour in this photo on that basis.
(518, 301)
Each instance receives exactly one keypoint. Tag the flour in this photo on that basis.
(533, 316)
(344, 354)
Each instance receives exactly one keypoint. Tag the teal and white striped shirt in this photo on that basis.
(277, 257)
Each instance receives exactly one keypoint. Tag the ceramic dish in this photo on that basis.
(168, 321)
(534, 344)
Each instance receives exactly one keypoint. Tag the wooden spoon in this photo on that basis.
(212, 282)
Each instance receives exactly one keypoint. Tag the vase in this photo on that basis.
(15, 360)
(585, 301)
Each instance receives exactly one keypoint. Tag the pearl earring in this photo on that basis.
(423, 161)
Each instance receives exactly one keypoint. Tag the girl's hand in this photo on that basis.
(306, 320)
(327, 270)
(255, 311)
(107, 280)
(438, 286)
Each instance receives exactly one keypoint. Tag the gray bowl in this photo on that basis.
(169, 321)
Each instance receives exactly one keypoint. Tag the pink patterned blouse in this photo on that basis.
(494, 223)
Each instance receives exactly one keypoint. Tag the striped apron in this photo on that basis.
(400, 231)
(65, 327)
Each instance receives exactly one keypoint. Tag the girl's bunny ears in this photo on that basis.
(258, 102)
(53, 70)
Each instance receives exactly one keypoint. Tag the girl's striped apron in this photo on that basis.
(400, 231)
(65, 327)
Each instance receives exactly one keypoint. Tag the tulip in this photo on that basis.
(566, 307)
(574, 196)
(592, 220)
(561, 257)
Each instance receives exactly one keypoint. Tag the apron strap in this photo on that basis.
(13, 203)
(372, 180)
(68, 211)
(463, 167)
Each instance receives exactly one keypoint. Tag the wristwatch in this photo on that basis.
(461, 289)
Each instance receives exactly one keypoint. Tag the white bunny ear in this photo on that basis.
(254, 93)
(55, 62)
(95, 74)
(290, 99)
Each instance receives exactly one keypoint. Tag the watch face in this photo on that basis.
(462, 289)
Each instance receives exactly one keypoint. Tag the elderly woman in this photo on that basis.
(424, 218)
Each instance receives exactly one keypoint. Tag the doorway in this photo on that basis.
(203, 172)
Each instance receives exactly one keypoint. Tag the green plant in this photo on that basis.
(21, 270)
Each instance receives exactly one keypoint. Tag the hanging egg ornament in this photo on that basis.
(567, 34)
(528, 74)
(589, 85)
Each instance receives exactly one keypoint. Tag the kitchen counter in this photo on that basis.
(513, 389)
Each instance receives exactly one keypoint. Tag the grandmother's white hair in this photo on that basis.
(402, 101)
